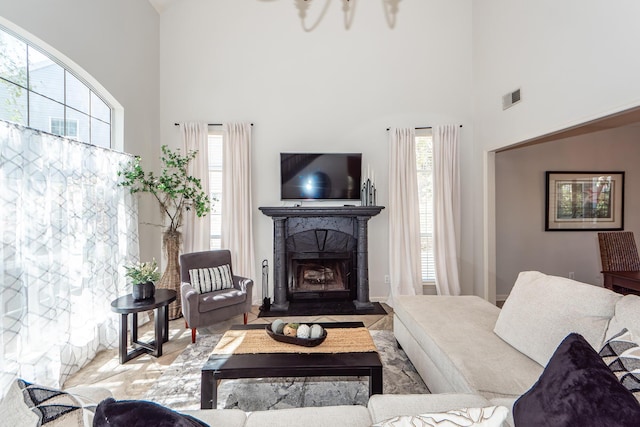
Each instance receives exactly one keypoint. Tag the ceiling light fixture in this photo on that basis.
(348, 9)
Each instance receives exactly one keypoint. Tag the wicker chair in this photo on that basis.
(203, 309)
(618, 251)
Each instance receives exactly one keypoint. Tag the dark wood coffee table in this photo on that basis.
(278, 365)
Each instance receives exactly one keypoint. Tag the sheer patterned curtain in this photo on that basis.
(237, 211)
(67, 230)
(446, 208)
(404, 217)
(196, 232)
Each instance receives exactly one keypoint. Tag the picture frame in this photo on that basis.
(584, 201)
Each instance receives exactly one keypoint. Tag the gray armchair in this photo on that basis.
(211, 307)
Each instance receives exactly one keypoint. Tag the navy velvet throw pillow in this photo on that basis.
(140, 413)
(577, 389)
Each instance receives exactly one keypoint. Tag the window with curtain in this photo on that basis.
(38, 91)
(424, 166)
(215, 188)
(67, 230)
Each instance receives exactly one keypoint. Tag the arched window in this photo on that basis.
(39, 91)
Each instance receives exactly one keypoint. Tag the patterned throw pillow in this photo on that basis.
(44, 406)
(491, 416)
(622, 355)
(211, 279)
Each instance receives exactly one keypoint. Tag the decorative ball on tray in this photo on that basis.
(290, 329)
(303, 331)
(316, 331)
(278, 326)
(296, 333)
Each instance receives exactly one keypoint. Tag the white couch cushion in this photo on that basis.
(384, 406)
(542, 310)
(456, 333)
(627, 316)
(219, 417)
(335, 416)
(490, 416)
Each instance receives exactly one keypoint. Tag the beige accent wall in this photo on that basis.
(521, 242)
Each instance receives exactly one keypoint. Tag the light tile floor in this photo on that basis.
(132, 379)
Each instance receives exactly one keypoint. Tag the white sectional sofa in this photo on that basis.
(464, 344)
(17, 410)
(379, 409)
(469, 353)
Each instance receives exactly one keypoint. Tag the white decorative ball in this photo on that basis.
(303, 331)
(316, 331)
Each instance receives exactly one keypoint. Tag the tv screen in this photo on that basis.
(327, 176)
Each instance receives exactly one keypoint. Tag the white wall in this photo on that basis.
(329, 89)
(338, 89)
(117, 43)
(573, 61)
(522, 244)
(571, 58)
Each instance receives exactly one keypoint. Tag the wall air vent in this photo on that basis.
(511, 99)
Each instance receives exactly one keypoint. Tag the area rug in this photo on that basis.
(326, 308)
(179, 385)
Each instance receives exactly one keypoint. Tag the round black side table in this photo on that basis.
(126, 305)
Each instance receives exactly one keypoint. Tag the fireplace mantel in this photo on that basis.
(307, 211)
(289, 220)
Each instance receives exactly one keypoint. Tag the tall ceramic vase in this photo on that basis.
(171, 277)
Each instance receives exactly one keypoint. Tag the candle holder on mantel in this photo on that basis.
(368, 194)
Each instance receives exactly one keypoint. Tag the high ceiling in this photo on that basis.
(161, 5)
(625, 118)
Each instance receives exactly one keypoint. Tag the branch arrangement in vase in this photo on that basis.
(175, 190)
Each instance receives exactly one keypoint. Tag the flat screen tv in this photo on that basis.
(320, 176)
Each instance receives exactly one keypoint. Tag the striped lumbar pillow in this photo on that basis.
(211, 279)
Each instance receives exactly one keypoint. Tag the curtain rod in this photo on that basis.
(423, 127)
(208, 124)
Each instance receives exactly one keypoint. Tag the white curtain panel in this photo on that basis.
(446, 208)
(196, 232)
(404, 216)
(67, 230)
(237, 210)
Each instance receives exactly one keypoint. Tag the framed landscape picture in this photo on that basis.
(583, 201)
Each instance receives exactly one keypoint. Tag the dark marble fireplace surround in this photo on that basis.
(334, 236)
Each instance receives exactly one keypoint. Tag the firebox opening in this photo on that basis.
(320, 278)
(314, 276)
